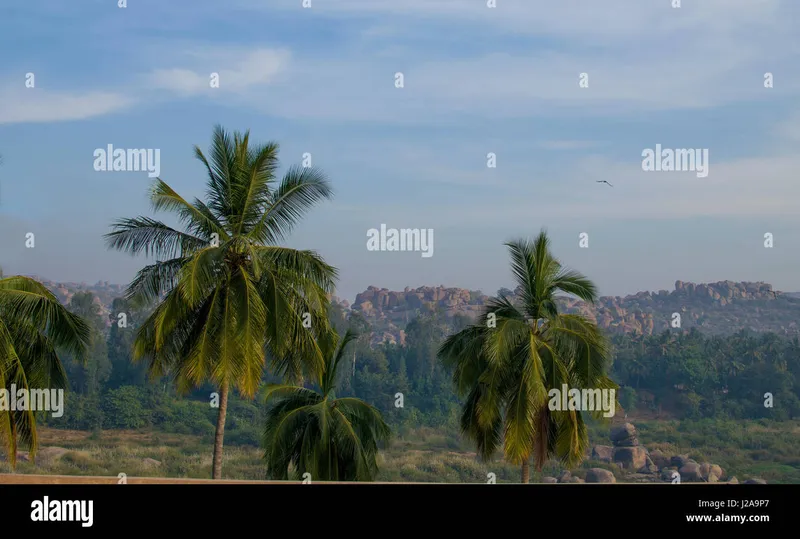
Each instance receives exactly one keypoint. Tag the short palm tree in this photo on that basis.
(314, 432)
(229, 295)
(33, 325)
(520, 349)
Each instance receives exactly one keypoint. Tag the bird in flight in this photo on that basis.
(603, 181)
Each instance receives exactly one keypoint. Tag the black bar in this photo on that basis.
(380, 509)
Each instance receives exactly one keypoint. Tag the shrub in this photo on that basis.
(124, 409)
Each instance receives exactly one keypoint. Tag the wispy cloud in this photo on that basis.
(504, 86)
(639, 56)
(184, 82)
(238, 70)
(38, 105)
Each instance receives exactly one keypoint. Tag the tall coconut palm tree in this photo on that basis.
(230, 296)
(33, 325)
(314, 432)
(520, 349)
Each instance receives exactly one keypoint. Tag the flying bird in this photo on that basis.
(603, 181)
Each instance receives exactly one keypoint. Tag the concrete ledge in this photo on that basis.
(30, 479)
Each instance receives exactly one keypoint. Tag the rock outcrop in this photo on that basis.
(717, 308)
(599, 475)
(637, 464)
(378, 302)
(627, 452)
(603, 453)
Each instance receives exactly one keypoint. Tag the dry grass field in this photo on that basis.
(145, 456)
(422, 456)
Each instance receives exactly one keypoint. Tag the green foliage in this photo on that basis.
(230, 297)
(89, 375)
(33, 326)
(81, 412)
(120, 344)
(691, 375)
(684, 375)
(627, 398)
(505, 364)
(640, 365)
(180, 416)
(314, 432)
(123, 409)
(228, 291)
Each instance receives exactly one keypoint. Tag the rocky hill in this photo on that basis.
(716, 308)
(103, 291)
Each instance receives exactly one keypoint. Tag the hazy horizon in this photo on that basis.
(351, 297)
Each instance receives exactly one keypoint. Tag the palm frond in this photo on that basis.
(143, 235)
(300, 189)
(33, 324)
(24, 298)
(195, 218)
(506, 369)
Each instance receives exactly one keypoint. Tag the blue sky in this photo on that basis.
(477, 80)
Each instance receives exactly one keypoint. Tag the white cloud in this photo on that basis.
(501, 86)
(38, 105)
(640, 56)
(181, 81)
(239, 70)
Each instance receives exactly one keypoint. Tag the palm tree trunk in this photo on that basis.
(216, 471)
(526, 471)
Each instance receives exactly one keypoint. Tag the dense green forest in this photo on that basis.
(674, 375)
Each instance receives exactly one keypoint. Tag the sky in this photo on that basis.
(505, 80)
